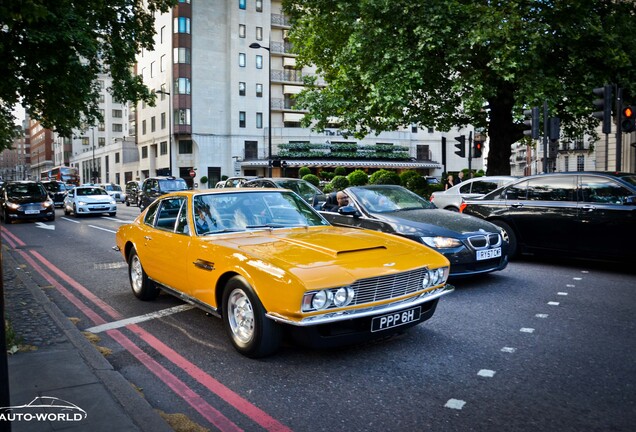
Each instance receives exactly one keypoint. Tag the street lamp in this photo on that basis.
(256, 45)
(163, 92)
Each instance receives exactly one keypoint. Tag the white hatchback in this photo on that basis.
(453, 198)
(84, 200)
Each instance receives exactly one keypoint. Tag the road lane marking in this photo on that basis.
(139, 318)
(103, 229)
(118, 220)
(508, 349)
(577, 278)
(541, 315)
(526, 330)
(570, 285)
(455, 404)
(553, 303)
(70, 220)
(561, 293)
(486, 373)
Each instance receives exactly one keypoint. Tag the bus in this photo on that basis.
(62, 174)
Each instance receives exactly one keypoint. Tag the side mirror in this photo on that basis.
(348, 210)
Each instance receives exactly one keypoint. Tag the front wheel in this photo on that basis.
(142, 287)
(251, 332)
(512, 238)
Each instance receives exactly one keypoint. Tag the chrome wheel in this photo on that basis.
(136, 274)
(240, 316)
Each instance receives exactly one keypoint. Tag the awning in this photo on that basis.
(352, 163)
(293, 117)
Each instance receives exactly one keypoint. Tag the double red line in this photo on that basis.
(46, 269)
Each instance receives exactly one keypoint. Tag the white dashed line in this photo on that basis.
(526, 330)
(140, 318)
(455, 404)
(577, 278)
(508, 349)
(70, 220)
(486, 373)
(562, 293)
(553, 303)
(584, 271)
(541, 315)
(570, 286)
(103, 229)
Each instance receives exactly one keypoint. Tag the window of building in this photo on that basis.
(580, 163)
(242, 119)
(102, 98)
(241, 89)
(259, 62)
(101, 127)
(182, 86)
(259, 90)
(163, 148)
(242, 4)
(184, 1)
(85, 141)
(101, 141)
(413, 129)
(182, 116)
(144, 152)
(259, 120)
(161, 32)
(241, 30)
(259, 5)
(162, 63)
(117, 157)
(152, 69)
(153, 124)
(431, 130)
(182, 55)
(242, 59)
(100, 84)
(143, 127)
(251, 149)
(185, 146)
(163, 120)
(259, 33)
(117, 113)
(117, 127)
(566, 163)
(182, 25)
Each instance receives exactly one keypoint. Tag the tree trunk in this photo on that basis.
(502, 131)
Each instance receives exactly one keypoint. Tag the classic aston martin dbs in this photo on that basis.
(267, 263)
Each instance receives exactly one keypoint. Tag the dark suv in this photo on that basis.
(132, 192)
(57, 191)
(153, 187)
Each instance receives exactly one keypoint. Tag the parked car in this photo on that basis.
(153, 187)
(26, 200)
(577, 214)
(84, 200)
(472, 246)
(268, 264)
(307, 191)
(114, 190)
(234, 181)
(452, 198)
(132, 192)
(57, 191)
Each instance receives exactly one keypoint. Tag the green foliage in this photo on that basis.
(326, 175)
(392, 64)
(224, 177)
(340, 171)
(408, 175)
(385, 177)
(53, 52)
(328, 188)
(303, 171)
(204, 180)
(417, 184)
(340, 183)
(312, 178)
(358, 178)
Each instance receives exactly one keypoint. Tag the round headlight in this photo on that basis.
(343, 296)
(434, 277)
(322, 299)
(426, 280)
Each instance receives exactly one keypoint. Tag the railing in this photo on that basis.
(281, 20)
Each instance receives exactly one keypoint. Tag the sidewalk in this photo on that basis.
(65, 366)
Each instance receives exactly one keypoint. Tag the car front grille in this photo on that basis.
(387, 287)
(485, 241)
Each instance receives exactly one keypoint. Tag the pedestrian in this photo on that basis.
(449, 182)
(460, 177)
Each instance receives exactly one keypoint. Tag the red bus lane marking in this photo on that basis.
(232, 398)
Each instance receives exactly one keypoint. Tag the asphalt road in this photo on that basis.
(540, 346)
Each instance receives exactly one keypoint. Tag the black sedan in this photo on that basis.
(471, 245)
(26, 200)
(578, 214)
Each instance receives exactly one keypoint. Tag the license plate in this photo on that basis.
(488, 254)
(395, 319)
(32, 212)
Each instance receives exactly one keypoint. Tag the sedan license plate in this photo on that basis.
(395, 319)
(32, 212)
(488, 254)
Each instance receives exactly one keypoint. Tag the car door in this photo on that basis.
(545, 217)
(166, 243)
(606, 219)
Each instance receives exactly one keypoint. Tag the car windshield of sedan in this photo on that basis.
(25, 190)
(90, 191)
(389, 199)
(227, 212)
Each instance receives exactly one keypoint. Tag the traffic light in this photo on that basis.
(532, 123)
(478, 146)
(628, 123)
(604, 104)
(461, 147)
(554, 126)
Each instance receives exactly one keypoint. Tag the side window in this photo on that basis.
(516, 191)
(552, 188)
(149, 219)
(465, 188)
(484, 187)
(602, 190)
(168, 213)
(182, 223)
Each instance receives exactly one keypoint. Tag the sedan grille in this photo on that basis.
(387, 287)
(485, 241)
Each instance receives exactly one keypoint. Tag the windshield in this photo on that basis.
(218, 213)
(305, 190)
(173, 185)
(382, 199)
(631, 179)
(90, 191)
(20, 190)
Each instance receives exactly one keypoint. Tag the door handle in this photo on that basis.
(147, 238)
(588, 207)
(516, 205)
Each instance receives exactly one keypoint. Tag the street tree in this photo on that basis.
(443, 63)
(54, 50)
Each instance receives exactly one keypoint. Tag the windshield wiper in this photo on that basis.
(224, 230)
(268, 225)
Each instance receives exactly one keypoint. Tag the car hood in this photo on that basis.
(28, 199)
(434, 222)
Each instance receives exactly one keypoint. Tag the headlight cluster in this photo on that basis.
(435, 277)
(441, 242)
(323, 299)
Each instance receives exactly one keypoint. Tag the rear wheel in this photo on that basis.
(251, 332)
(512, 238)
(142, 287)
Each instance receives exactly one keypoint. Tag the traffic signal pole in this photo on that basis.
(545, 136)
(619, 129)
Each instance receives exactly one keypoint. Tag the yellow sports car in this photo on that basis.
(266, 262)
